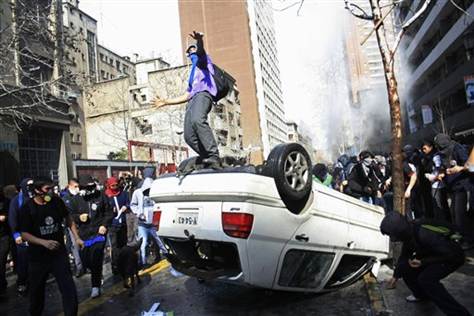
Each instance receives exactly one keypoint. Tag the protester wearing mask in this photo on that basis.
(458, 184)
(40, 223)
(201, 90)
(362, 183)
(72, 200)
(142, 205)
(21, 264)
(427, 257)
(93, 216)
(119, 203)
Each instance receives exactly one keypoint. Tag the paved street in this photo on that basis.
(186, 296)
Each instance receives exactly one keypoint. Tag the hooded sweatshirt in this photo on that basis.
(142, 205)
(453, 153)
(117, 199)
(421, 243)
(15, 205)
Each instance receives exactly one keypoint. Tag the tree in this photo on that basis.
(34, 76)
(379, 12)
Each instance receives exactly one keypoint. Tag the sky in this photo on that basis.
(305, 42)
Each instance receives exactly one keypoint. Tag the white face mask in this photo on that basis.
(74, 191)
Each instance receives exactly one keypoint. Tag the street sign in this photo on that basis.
(469, 86)
(427, 114)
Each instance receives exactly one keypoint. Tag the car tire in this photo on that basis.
(290, 167)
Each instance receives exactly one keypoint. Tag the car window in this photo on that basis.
(305, 269)
(348, 268)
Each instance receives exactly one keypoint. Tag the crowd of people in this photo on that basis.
(46, 231)
(437, 182)
(438, 223)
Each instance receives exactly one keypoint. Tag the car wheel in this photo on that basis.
(290, 166)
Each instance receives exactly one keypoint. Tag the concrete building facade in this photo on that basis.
(439, 51)
(120, 115)
(243, 43)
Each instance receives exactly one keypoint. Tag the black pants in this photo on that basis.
(58, 266)
(459, 213)
(440, 204)
(118, 239)
(4, 249)
(21, 264)
(425, 283)
(197, 132)
(93, 258)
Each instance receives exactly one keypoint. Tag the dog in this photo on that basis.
(128, 266)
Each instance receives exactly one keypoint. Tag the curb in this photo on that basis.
(378, 305)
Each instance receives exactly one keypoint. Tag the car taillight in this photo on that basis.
(238, 225)
(156, 218)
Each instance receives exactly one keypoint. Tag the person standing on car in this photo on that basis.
(119, 203)
(93, 216)
(427, 257)
(21, 263)
(201, 90)
(40, 224)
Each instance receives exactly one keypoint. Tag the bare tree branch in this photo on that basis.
(357, 11)
(406, 25)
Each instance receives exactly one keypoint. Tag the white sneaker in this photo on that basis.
(95, 292)
(412, 299)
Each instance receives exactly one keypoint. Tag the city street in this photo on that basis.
(186, 296)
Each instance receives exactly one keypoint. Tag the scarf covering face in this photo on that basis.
(109, 191)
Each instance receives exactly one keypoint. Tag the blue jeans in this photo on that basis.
(146, 232)
(367, 199)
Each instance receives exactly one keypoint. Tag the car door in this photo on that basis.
(313, 252)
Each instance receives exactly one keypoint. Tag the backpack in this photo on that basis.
(223, 83)
(447, 230)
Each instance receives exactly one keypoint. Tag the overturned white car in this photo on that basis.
(268, 226)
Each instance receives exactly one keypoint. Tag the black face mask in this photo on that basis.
(88, 190)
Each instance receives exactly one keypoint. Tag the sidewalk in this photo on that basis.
(460, 284)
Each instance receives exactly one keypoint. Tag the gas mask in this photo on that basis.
(47, 196)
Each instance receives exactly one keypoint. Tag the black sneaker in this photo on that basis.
(212, 162)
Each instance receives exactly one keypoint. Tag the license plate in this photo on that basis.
(187, 218)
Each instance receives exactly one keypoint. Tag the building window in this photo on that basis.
(71, 136)
(91, 52)
(102, 74)
(143, 97)
(117, 65)
(78, 138)
(71, 25)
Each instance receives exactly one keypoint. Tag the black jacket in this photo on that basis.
(429, 247)
(98, 208)
(360, 184)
